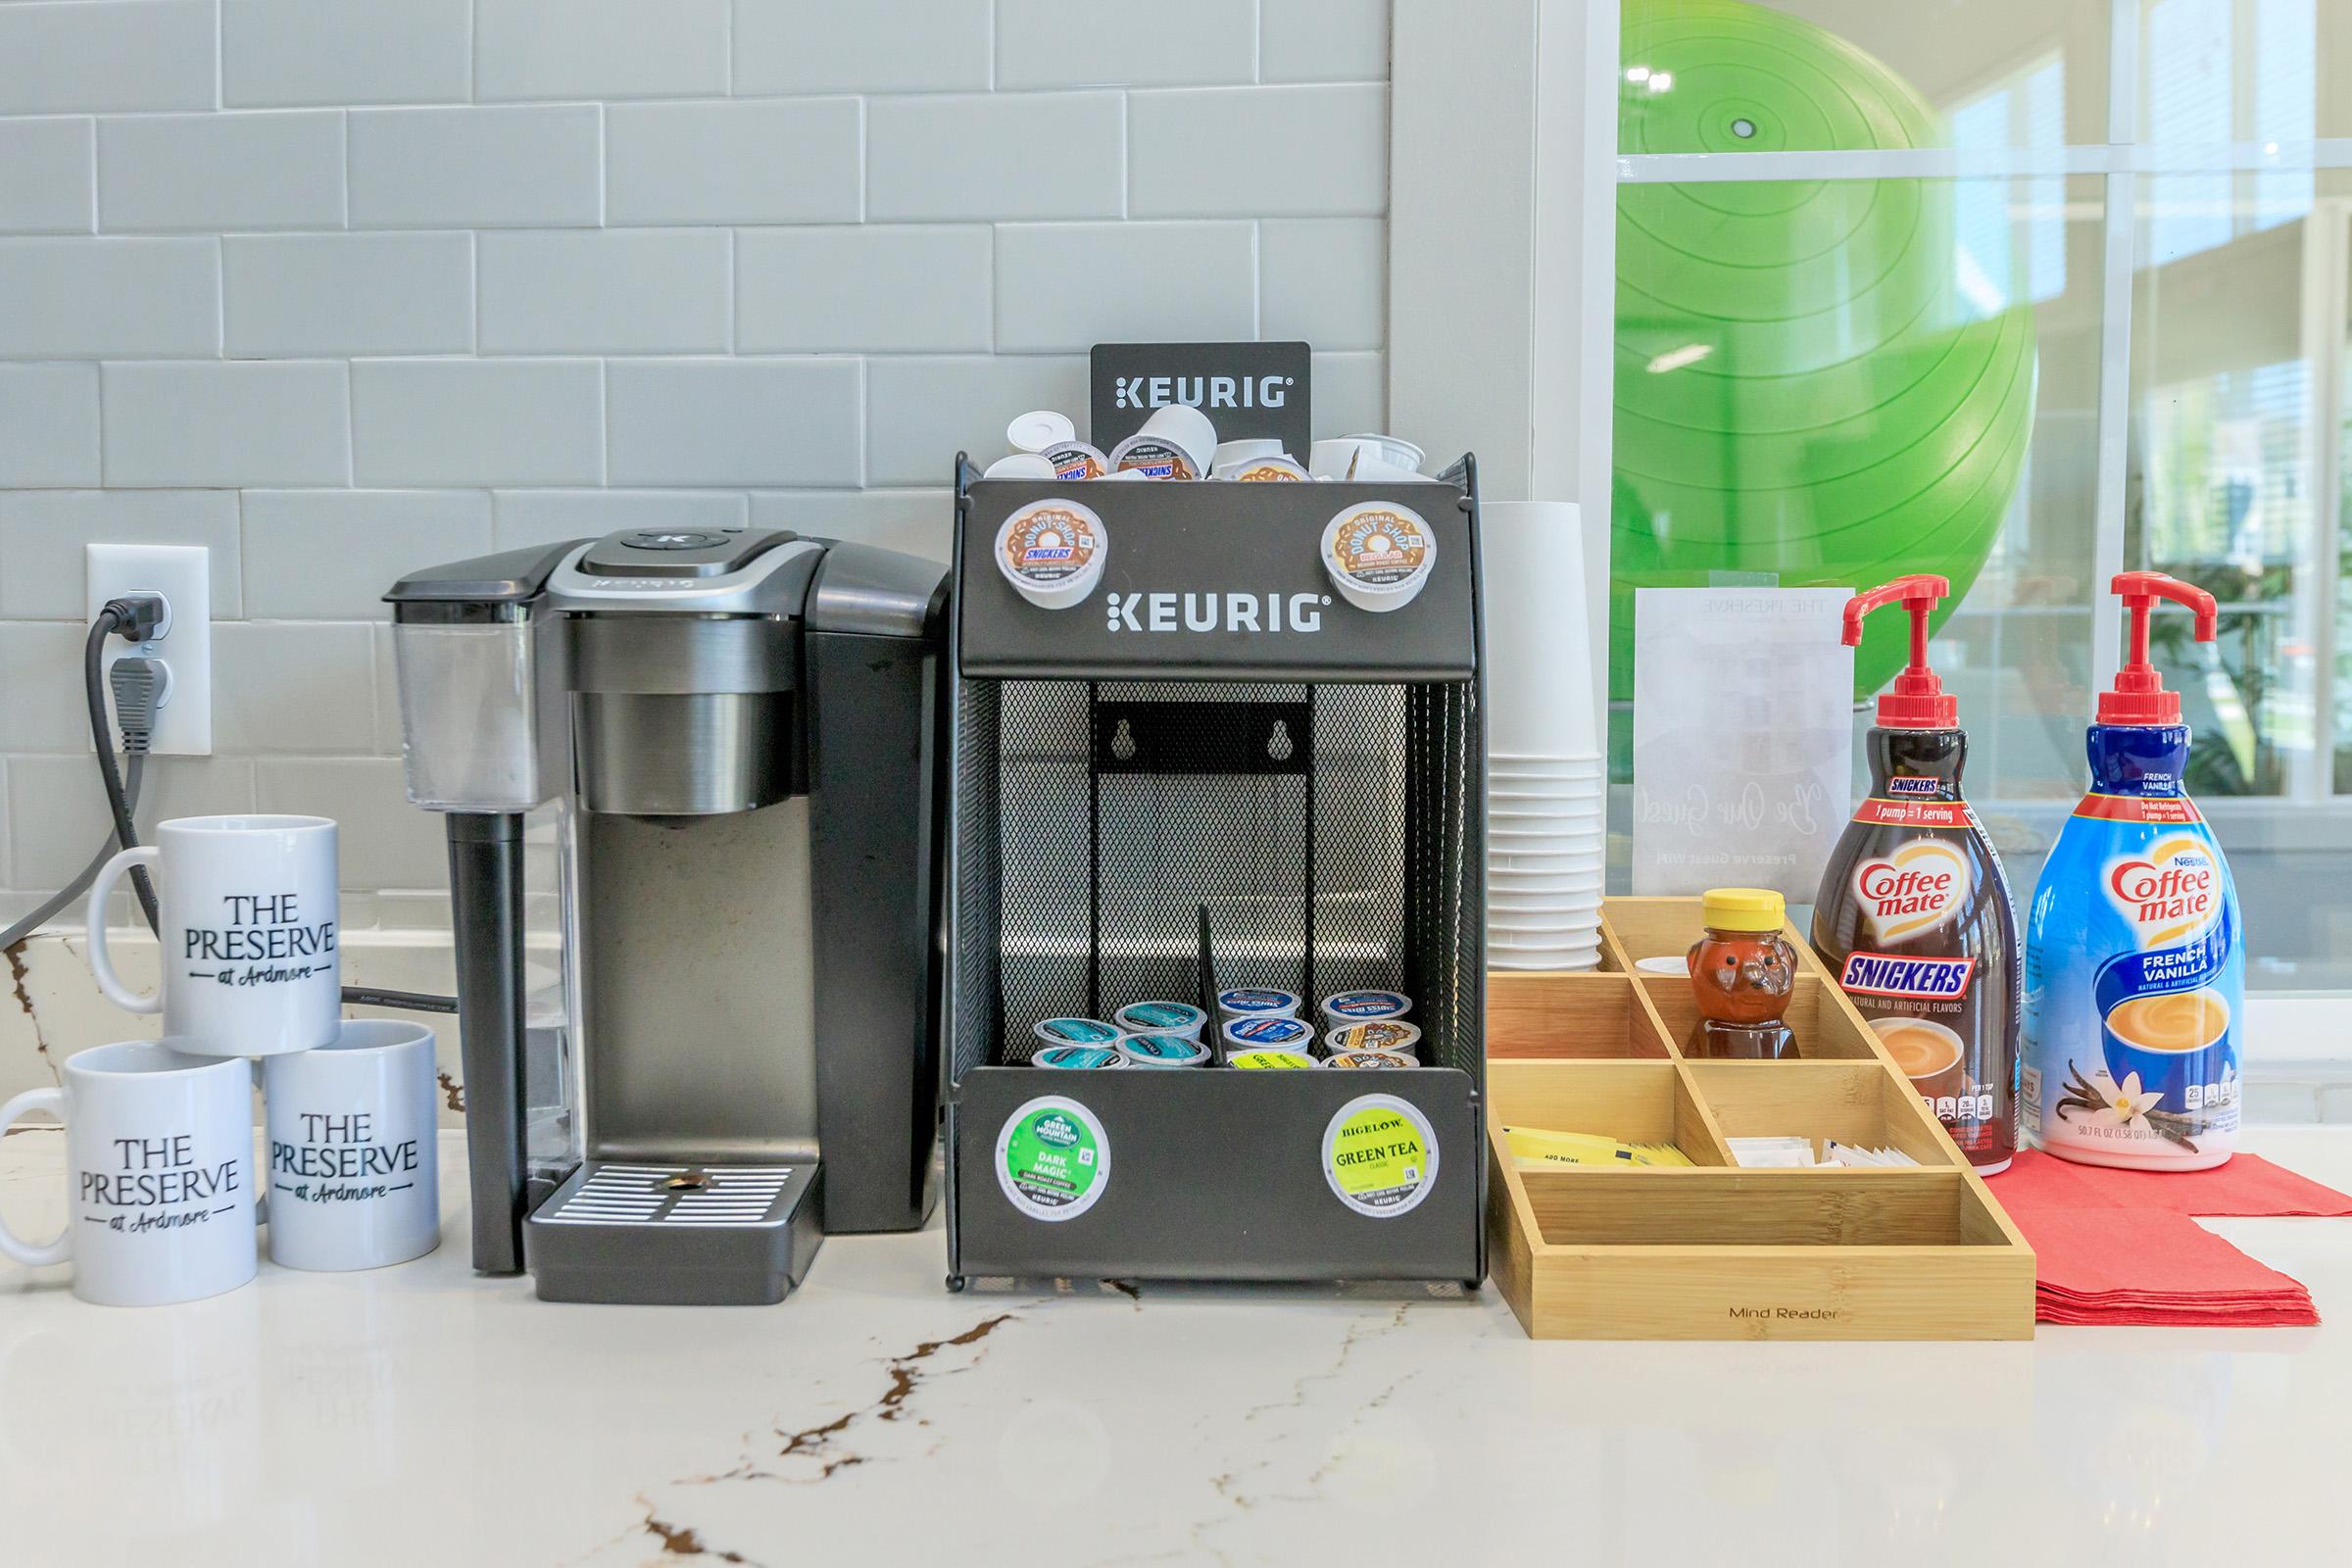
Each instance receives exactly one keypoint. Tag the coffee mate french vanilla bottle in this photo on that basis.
(2135, 965)
(1914, 917)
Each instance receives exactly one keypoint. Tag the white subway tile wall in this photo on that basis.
(339, 290)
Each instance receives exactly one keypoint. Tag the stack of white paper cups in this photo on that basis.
(1545, 776)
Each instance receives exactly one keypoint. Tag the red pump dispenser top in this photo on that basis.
(2139, 696)
(1918, 700)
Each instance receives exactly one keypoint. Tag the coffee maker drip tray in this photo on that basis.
(688, 1235)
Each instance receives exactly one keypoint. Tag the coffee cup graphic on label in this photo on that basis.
(1927, 1052)
(2178, 1041)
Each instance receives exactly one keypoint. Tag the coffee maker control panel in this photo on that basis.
(678, 551)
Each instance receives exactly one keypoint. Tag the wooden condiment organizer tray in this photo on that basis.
(1715, 1251)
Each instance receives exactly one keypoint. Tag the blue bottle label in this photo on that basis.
(2135, 987)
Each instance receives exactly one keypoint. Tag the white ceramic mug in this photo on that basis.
(352, 1178)
(248, 925)
(158, 1168)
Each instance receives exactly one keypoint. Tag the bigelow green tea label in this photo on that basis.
(1053, 1159)
(1380, 1156)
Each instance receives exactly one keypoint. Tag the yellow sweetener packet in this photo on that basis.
(1544, 1146)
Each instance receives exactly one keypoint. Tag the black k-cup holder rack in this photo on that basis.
(1157, 796)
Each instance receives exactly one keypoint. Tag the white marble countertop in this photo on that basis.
(422, 1415)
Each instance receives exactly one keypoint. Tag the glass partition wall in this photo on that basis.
(2026, 292)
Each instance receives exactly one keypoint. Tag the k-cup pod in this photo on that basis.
(1163, 1051)
(1381, 1034)
(1052, 552)
(1076, 460)
(1364, 1006)
(1233, 453)
(1672, 963)
(1392, 450)
(1186, 429)
(1039, 430)
(1132, 473)
(1379, 555)
(1161, 1018)
(1267, 1034)
(1155, 458)
(1255, 1002)
(1268, 1056)
(1019, 465)
(1078, 1032)
(1078, 1057)
(1262, 470)
(1370, 1058)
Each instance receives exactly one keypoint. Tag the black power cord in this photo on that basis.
(136, 616)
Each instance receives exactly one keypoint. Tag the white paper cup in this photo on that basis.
(1379, 555)
(1536, 885)
(1593, 773)
(1516, 813)
(1183, 427)
(1559, 934)
(1545, 961)
(1507, 842)
(1019, 466)
(1076, 460)
(1051, 551)
(1037, 430)
(1579, 904)
(1540, 675)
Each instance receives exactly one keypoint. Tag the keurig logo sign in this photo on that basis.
(1248, 391)
(262, 940)
(1208, 393)
(1215, 612)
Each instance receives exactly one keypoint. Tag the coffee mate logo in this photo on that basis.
(1916, 887)
(2169, 891)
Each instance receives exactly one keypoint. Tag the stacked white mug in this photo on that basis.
(1545, 776)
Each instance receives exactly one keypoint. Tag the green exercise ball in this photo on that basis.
(1799, 390)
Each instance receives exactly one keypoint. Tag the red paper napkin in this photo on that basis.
(2119, 1245)
(2248, 1186)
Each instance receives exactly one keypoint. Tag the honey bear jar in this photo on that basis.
(1741, 974)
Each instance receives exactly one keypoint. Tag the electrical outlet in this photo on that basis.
(183, 575)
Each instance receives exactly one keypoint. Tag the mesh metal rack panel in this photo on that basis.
(1340, 863)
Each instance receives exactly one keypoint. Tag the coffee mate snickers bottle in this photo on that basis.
(1914, 916)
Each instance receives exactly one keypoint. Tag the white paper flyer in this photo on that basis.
(1744, 727)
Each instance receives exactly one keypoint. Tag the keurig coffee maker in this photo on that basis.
(707, 1032)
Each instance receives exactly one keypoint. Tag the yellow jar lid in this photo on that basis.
(1743, 910)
